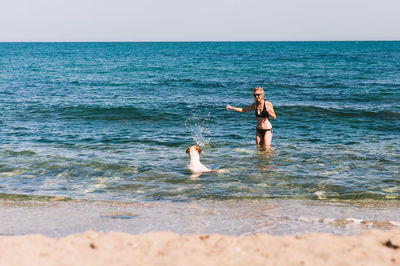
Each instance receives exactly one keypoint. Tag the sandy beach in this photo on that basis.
(274, 232)
(165, 248)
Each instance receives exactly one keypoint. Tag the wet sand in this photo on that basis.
(237, 218)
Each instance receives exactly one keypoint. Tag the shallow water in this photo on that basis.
(112, 121)
(230, 217)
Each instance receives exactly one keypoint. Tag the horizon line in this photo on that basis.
(202, 41)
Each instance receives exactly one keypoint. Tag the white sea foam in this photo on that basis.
(320, 194)
(245, 151)
(12, 173)
(396, 223)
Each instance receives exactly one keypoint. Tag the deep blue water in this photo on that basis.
(112, 121)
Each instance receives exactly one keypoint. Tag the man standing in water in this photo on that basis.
(263, 111)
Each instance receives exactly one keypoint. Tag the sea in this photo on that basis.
(100, 130)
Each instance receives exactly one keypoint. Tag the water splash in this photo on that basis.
(197, 124)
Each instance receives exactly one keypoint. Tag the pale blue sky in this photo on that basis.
(201, 20)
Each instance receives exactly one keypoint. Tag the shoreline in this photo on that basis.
(166, 248)
(254, 232)
(231, 217)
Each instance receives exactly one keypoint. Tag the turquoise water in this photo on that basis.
(112, 121)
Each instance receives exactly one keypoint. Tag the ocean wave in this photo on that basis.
(209, 84)
(6, 153)
(25, 197)
(107, 113)
(338, 112)
(99, 83)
